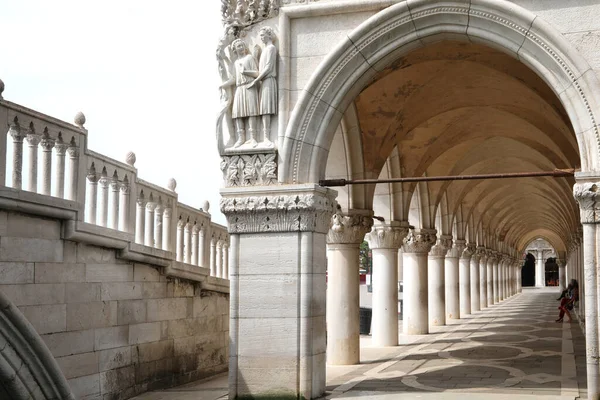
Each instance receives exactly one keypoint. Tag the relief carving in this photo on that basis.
(249, 170)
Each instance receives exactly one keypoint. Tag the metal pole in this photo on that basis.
(557, 173)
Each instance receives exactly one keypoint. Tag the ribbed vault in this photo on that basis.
(454, 108)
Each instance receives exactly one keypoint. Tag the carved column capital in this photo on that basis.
(442, 246)
(492, 256)
(419, 241)
(457, 248)
(587, 195)
(481, 253)
(350, 228)
(387, 236)
(468, 251)
(291, 208)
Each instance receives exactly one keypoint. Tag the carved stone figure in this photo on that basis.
(267, 77)
(245, 107)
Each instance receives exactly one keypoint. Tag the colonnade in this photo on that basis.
(443, 279)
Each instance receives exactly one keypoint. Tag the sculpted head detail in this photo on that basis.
(240, 47)
(266, 33)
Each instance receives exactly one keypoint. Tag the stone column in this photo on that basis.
(115, 186)
(496, 260)
(589, 205)
(343, 241)
(384, 241)
(149, 218)
(562, 274)
(72, 175)
(436, 296)
(490, 277)
(416, 247)
(475, 296)
(482, 252)
(213, 257)
(540, 275)
(219, 259)
(125, 190)
(17, 170)
(452, 280)
(277, 266)
(465, 280)
(507, 278)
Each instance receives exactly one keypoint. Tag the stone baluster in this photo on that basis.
(92, 195)
(113, 222)
(490, 277)
(61, 150)
(167, 228)
(125, 190)
(149, 218)
(17, 169)
(452, 278)
(475, 303)
(187, 243)
(33, 140)
(103, 183)
(225, 260)
(436, 281)
(47, 146)
(384, 241)
(416, 313)
(465, 279)
(195, 230)
(158, 225)
(140, 222)
(72, 170)
(179, 239)
(201, 247)
(343, 246)
(219, 259)
(213, 264)
(482, 253)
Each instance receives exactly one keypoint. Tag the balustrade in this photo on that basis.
(108, 192)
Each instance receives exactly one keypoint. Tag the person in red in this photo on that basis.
(568, 300)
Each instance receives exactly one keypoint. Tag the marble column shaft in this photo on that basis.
(384, 242)
(416, 314)
(453, 280)
(465, 282)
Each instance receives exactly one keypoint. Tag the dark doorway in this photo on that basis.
(528, 271)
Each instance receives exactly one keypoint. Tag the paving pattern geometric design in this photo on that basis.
(514, 347)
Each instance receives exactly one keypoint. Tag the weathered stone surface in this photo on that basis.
(48, 318)
(16, 272)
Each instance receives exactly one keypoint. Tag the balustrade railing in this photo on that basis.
(49, 157)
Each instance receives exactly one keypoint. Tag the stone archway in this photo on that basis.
(407, 26)
(27, 368)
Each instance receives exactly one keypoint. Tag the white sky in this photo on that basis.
(143, 72)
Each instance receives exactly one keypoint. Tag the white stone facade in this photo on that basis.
(392, 89)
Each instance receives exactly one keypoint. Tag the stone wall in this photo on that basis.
(116, 328)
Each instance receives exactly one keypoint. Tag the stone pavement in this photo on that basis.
(511, 350)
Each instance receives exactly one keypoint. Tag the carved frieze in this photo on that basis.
(349, 228)
(587, 195)
(386, 237)
(250, 169)
(309, 212)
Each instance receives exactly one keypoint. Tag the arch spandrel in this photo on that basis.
(354, 63)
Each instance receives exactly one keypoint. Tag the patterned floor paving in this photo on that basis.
(513, 350)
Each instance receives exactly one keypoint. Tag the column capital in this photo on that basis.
(285, 208)
(587, 195)
(419, 241)
(350, 228)
(492, 256)
(387, 236)
(440, 249)
(468, 251)
(482, 253)
(459, 246)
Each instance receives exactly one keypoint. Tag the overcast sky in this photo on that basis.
(142, 71)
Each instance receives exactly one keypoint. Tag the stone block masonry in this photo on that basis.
(116, 328)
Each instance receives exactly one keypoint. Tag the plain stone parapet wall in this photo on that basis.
(115, 327)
